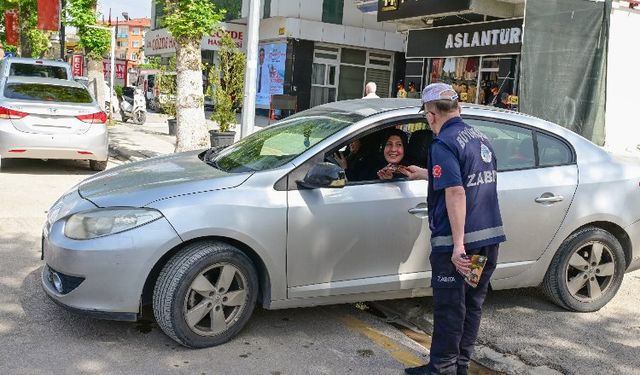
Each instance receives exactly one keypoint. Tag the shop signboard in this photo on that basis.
(120, 76)
(472, 39)
(77, 65)
(270, 73)
(400, 9)
(160, 42)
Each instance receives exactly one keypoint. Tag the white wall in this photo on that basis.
(623, 80)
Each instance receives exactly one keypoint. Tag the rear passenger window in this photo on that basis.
(38, 70)
(552, 151)
(513, 145)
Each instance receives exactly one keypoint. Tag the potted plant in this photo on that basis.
(166, 81)
(228, 78)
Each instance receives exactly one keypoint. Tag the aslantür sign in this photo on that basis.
(475, 39)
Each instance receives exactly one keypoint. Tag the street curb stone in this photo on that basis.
(411, 314)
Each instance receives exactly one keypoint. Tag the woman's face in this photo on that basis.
(354, 147)
(394, 150)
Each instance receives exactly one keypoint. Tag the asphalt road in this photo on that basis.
(39, 337)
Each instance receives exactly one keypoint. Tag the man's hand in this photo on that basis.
(414, 172)
(459, 259)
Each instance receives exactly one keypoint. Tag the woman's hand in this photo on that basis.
(341, 159)
(414, 172)
(385, 173)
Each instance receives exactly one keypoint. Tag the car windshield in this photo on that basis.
(283, 142)
(49, 93)
(38, 70)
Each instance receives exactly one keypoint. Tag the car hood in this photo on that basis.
(140, 183)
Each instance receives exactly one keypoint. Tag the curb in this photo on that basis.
(405, 312)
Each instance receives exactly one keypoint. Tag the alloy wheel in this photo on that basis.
(215, 299)
(590, 271)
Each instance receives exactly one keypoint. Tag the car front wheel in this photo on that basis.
(205, 294)
(586, 272)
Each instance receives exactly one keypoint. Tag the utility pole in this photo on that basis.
(63, 48)
(249, 106)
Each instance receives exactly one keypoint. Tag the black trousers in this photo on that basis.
(457, 309)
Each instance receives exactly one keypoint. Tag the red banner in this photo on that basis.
(77, 65)
(49, 15)
(11, 27)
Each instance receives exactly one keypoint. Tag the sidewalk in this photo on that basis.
(130, 142)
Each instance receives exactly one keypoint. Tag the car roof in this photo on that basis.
(45, 81)
(28, 60)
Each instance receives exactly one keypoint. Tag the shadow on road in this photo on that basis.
(48, 167)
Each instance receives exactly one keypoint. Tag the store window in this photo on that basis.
(341, 73)
(332, 11)
(476, 79)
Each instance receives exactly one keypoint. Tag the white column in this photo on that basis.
(249, 104)
(113, 68)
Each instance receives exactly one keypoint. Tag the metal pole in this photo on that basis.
(113, 58)
(63, 52)
(249, 106)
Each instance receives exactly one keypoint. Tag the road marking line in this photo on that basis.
(397, 351)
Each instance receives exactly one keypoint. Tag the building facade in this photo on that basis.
(317, 51)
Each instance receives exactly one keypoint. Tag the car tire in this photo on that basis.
(578, 279)
(98, 165)
(195, 305)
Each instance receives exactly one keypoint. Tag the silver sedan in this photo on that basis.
(272, 219)
(47, 118)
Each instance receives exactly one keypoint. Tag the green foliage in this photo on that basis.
(190, 20)
(39, 42)
(166, 81)
(232, 7)
(10, 48)
(228, 79)
(153, 62)
(81, 14)
(118, 90)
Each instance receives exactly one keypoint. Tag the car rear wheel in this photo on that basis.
(98, 165)
(586, 272)
(205, 294)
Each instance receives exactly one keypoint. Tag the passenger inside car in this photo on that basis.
(393, 152)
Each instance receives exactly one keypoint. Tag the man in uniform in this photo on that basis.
(464, 218)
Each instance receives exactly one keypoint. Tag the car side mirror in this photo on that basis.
(324, 175)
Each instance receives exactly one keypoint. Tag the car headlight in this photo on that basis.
(106, 221)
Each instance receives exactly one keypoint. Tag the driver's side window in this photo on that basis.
(365, 155)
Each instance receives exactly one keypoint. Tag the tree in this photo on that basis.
(188, 21)
(229, 80)
(33, 42)
(96, 42)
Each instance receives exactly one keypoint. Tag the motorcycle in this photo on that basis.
(133, 106)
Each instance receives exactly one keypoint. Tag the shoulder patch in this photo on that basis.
(437, 171)
(485, 153)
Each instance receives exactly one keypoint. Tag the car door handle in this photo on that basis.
(549, 199)
(420, 211)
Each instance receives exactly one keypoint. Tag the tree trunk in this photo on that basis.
(25, 43)
(95, 76)
(191, 127)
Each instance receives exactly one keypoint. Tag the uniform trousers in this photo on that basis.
(457, 309)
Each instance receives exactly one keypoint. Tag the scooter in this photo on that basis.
(132, 105)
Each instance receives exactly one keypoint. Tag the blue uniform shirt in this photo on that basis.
(462, 156)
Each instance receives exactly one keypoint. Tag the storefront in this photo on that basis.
(472, 57)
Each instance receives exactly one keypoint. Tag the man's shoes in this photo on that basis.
(420, 370)
(462, 370)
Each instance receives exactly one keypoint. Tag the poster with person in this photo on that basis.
(270, 77)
